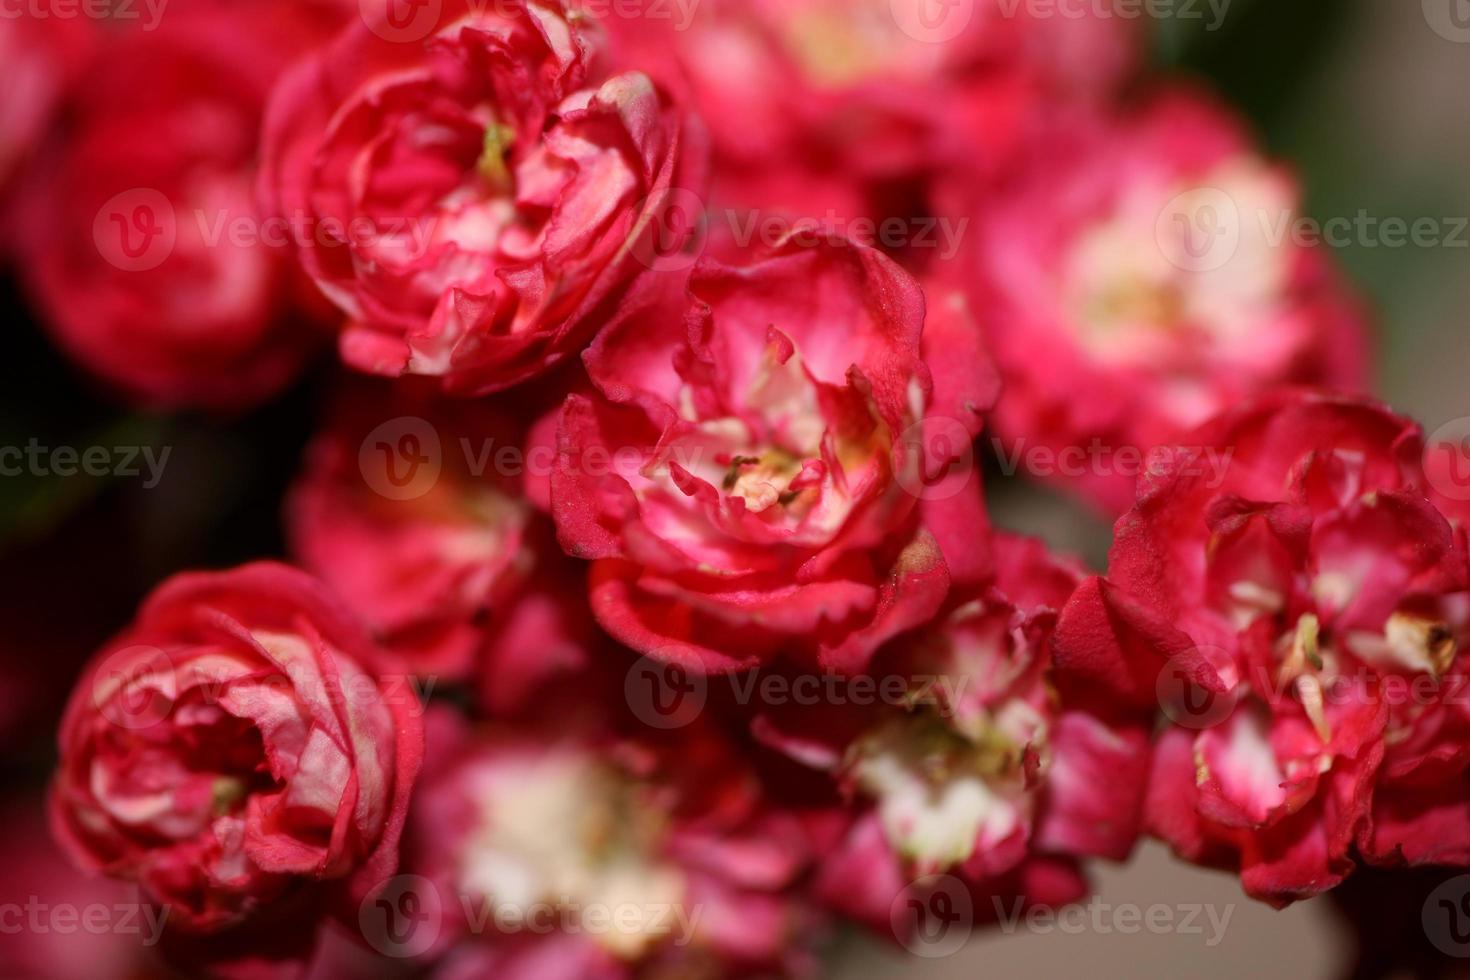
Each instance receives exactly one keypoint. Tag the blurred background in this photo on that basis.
(1365, 97)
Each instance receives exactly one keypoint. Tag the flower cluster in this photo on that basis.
(644, 614)
(1302, 625)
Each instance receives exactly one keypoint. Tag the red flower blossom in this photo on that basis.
(238, 744)
(411, 510)
(142, 244)
(1300, 614)
(569, 854)
(481, 210)
(871, 88)
(977, 770)
(747, 475)
(1140, 276)
(42, 57)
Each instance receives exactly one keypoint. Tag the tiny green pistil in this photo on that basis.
(491, 165)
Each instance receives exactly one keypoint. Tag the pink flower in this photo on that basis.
(1299, 613)
(875, 88)
(410, 507)
(976, 770)
(1140, 275)
(237, 749)
(480, 208)
(566, 851)
(142, 246)
(748, 472)
(42, 57)
(865, 103)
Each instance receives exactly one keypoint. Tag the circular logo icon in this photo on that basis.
(135, 687)
(673, 232)
(401, 458)
(401, 21)
(136, 230)
(1450, 19)
(1446, 917)
(1199, 230)
(932, 21)
(664, 695)
(403, 919)
(938, 458)
(1187, 704)
(1447, 459)
(933, 917)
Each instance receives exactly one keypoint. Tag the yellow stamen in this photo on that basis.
(491, 165)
